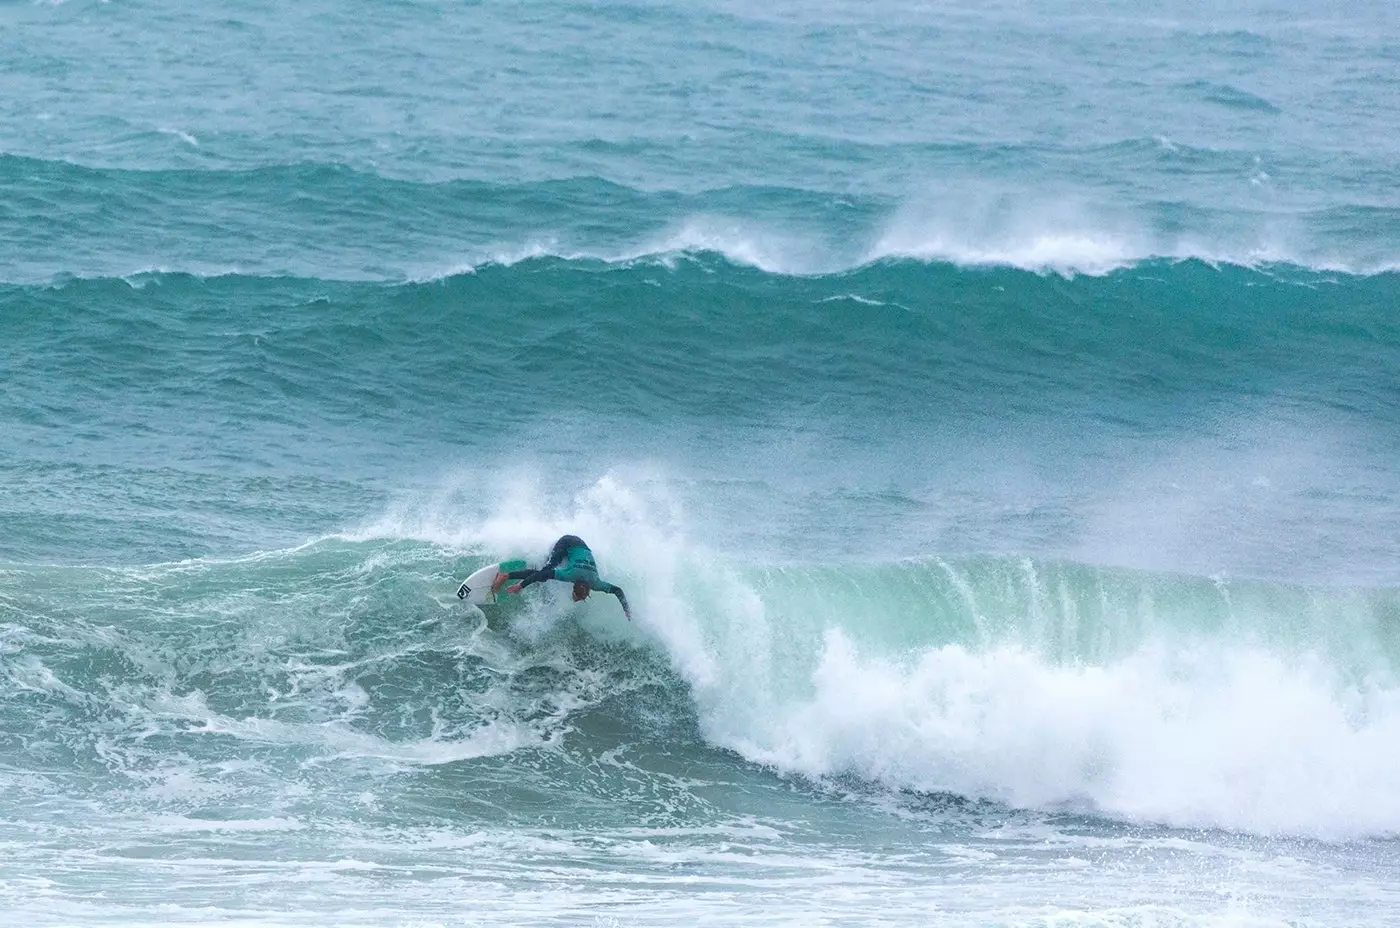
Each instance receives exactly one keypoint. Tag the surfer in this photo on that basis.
(578, 568)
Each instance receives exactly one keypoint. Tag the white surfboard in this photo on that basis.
(476, 589)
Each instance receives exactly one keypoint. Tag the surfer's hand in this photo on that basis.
(513, 589)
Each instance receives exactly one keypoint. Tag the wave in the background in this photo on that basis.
(327, 221)
(1169, 416)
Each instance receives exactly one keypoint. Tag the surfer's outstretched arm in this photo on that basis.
(621, 597)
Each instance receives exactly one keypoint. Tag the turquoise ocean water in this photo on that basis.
(991, 410)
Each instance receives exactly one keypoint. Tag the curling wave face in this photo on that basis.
(1049, 685)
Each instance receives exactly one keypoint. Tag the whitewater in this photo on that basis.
(991, 412)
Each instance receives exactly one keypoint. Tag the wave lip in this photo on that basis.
(1230, 96)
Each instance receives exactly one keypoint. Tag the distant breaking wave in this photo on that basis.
(73, 221)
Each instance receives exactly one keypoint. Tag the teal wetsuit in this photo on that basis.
(571, 561)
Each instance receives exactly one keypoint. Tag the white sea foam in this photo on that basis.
(342, 741)
(991, 228)
(1238, 738)
(180, 134)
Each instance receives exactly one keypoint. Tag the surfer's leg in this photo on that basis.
(559, 552)
(531, 576)
(527, 575)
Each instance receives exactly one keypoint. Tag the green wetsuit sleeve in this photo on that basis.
(604, 587)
